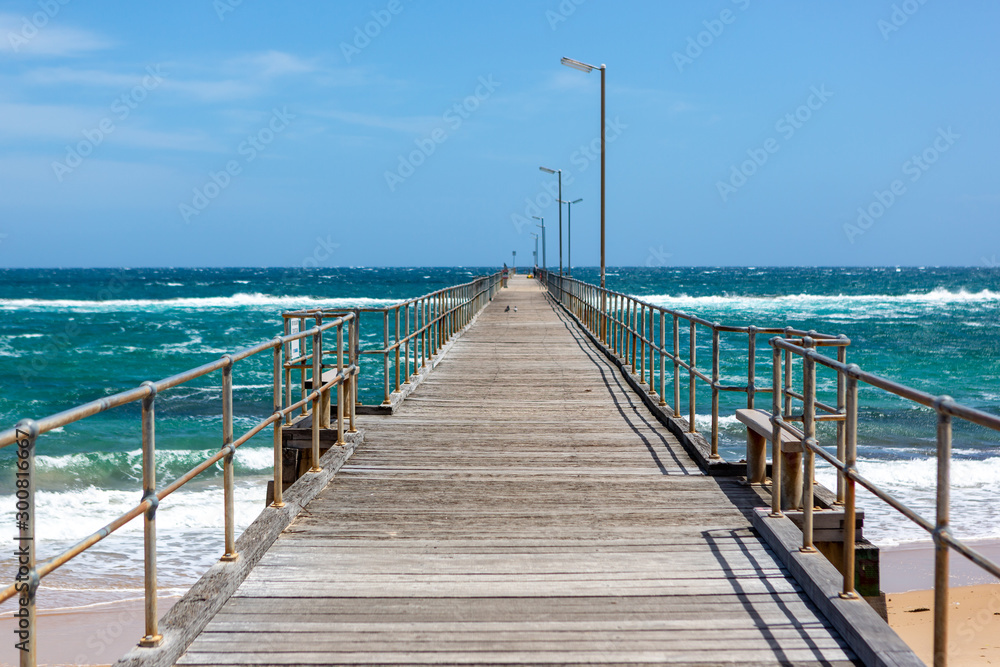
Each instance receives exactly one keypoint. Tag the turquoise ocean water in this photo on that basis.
(69, 336)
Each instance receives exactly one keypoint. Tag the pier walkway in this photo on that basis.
(521, 507)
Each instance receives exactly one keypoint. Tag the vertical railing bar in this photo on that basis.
(317, 372)
(287, 349)
(850, 460)
(777, 455)
(278, 432)
(809, 437)
(692, 386)
(941, 529)
(640, 312)
(385, 354)
(841, 435)
(355, 360)
(751, 366)
(677, 367)
(302, 369)
(341, 389)
(715, 392)
(396, 346)
(663, 359)
(228, 474)
(152, 637)
(27, 434)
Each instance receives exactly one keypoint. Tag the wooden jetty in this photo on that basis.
(524, 506)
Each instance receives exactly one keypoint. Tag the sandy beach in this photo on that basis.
(95, 636)
(974, 618)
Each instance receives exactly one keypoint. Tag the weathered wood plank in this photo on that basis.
(523, 506)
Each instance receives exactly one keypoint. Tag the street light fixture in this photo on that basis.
(557, 171)
(535, 236)
(569, 233)
(584, 67)
(544, 265)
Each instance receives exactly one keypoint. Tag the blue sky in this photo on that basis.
(410, 132)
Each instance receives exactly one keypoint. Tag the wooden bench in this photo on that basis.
(759, 433)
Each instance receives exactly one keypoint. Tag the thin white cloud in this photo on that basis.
(205, 90)
(270, 64)
(65, 123)
(20, 36)
(408, 124)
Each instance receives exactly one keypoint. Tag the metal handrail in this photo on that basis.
(442, 314)
(426, 323)
(627, 326)
(25, 435)
(620, 330)
(945, 409)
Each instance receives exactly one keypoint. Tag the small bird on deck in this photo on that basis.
(515, 309)
(507, 309)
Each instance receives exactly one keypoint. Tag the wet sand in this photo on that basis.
(974, 616)
(96, 636)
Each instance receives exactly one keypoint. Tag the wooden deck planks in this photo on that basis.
(522, 507)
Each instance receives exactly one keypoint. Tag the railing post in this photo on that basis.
(777, 455)
(355, 361)
(633, 315)
(385, 353)
(317, 371)
(851, 461)
(340, 382)
(715, 392)
(27, 434)
(677, 367)
(424, 333)
(324, 398)
(228, 480)
(278, 430)
(406, 345)
(640, 313)
(287, 347)
(692, 359)
(396, 343)
(152, 637)
(788, 375)
(751, 366)
(663, 368)
(941, 529)
(841, 444)
(652, 345)
(809, 438)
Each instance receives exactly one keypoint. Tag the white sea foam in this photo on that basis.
(168, 461)
(66, 516)
(255, 300)
(974, 489)
(936, 296)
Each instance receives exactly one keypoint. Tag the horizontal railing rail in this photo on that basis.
(846, 464)
(620, 322)
(636, 331)
(414, 330)
(436, 318)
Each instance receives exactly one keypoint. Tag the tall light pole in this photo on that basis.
(535, 236)
(513, 260)
(544, 265)
(569, 233)
(584, 67)
(557, 171)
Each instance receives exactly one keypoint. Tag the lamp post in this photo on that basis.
(513, 261)
(557, 171)
(569, 233)
(535, 236)
(584, 67)
(544, 265)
